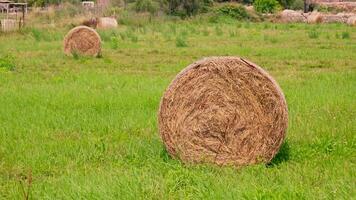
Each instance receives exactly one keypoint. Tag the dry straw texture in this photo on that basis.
(314, 18)
(106, 23)
(223, 110)
(82, 40)
(292, 16)
(352, 21)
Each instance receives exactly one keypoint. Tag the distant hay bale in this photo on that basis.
(223, 110)
(92, 22)
(106, 23)
(351, 21)
(291, 16)
(332, 18)
(82, 40)
(314, 18)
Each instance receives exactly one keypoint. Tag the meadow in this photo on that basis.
(86, 128)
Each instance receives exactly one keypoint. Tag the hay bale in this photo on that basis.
(82, 40)
(332, 18)
(106, 23)
(223, 110)
(351, 21)
(314, 18)
(92, 22)
(291, 16)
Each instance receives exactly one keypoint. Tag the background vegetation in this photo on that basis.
(181, 8)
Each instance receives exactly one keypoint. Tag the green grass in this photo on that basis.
(86, 128)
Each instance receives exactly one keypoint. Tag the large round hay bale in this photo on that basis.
(106, 23)
(351, 21)
(82, 40)
(292, 16)
(314, 18)
(223, 110)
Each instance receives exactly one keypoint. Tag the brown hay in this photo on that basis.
(338, 18)
(92, 22)
(82, 40)
(292, 16)
(351, 21)
(223, 110)
(314, 18)
(106, 23)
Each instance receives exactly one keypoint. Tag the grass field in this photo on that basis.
(86, 128)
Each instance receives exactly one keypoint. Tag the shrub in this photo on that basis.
(345, 35)
(286, 3)
(297, 5)
(146, 6)
(185, 8)
(266, 6)
(234, 11)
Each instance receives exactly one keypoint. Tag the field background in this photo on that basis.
(86, 128)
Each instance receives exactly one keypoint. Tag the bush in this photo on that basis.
(345, 35)
(146, 6)
(185, 8)
(297, 5)
(234, 11)
(42, 3)
(286, 3)
(266, 6)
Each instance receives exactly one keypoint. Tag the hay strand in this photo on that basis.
(314, 18)
(351, 21)
(223, 110)
(82, 40)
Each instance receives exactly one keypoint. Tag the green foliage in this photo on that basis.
(345, 35)
(266, 6)
(234, 11)
(107, 35)
(322, 8)
(44, 34)
(313, 34)
(43, 3)
(186, 8)
(286, 3)
(37, 34)
(146, 6)
(297, 5)
(219, 31)
(75, 55)
(114, 42)
(181, 41)
(7, 62)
